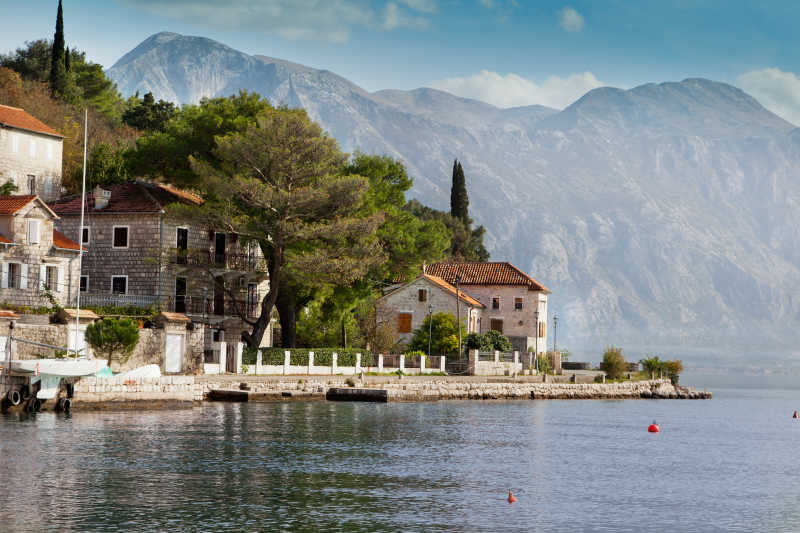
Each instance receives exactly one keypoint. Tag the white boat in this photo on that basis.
(58, 367)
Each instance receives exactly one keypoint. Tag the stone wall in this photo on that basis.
(18, 161)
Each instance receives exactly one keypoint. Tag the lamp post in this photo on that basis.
(458, 314)
(555, 332)
(430, 327)
(536, 342)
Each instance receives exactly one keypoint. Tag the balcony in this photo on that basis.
(220, 261)
(190, 305)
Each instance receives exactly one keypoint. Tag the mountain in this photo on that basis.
(664, 215)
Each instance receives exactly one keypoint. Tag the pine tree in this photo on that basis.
(459, 201)
(58, 71)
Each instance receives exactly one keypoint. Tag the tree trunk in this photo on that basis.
(286, 305)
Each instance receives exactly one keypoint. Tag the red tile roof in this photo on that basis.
(494, 273)
(10, 204)
(131, 197)
(452, 290)
(14, 117)
(4, 240)
(62, 241)
(5, 313)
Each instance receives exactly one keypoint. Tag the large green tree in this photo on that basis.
(147, 114)
(58, 70)
(278, 183)
(459, 201)
(466, 244)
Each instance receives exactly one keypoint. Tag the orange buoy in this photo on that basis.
(795, 415)
(653, 428)
(511, 498)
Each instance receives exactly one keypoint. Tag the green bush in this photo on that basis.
(614, 364)
(544, 364)
(113, 338)
(249, 355)
(415, 353)
(488, 342)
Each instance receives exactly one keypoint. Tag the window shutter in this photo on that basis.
(4, 276)
(42, 277)
(23, 278)
(60, 278)
(33, 231)
(404, 323)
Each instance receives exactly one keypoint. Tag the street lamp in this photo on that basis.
(458, 314)
(536, 342)
(555, 332)
(430, 327)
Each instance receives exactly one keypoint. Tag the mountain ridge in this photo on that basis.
(662, 214)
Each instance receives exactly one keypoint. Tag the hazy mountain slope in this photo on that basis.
(666, 214)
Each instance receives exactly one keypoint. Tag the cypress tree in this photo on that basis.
(58, 71)
(67, 60)
(459, 201)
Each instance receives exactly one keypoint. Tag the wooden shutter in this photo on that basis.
(496, 325)
(33, 231)
(5, 276)
(23, 278)
(404, 322)
(42, 277)
(542, 329)
(59, 279)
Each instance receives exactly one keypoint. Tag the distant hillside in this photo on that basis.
(666, 214)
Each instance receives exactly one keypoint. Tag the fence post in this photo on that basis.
(310, 362)
(287, 358)
(473, 362)
(516, 357)
(402, 362)
(358, 363)
(259, 361)
(223, 357)
(441, 363)
(334, 362)
(496, 356)
(380, 362)
(239, 348)
(421, 364)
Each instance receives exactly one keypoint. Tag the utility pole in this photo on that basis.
(430, 327)
(536, 342)
(555, 332)
(458, 314)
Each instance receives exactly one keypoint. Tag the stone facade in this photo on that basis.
(407, 300)
(33, 267)
(32, 161)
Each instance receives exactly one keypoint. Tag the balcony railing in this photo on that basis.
(227, 261)
(193, 305)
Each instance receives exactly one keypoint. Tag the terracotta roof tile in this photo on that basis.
(5, 240)
(15, 117)
(10, 204)
(489, 273)
(452, 290)
(62, 241)
(131, 197)
(5, 313)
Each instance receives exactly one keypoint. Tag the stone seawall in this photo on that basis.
(116, 391)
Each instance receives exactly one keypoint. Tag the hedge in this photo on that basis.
(322, 356)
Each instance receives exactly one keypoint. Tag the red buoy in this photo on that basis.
(795, 415)
(511, 498)
(653, 428)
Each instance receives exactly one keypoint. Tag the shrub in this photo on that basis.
(489, 342)
(614, 365)
(651, 365)
(444, 335)
(673, 369)
(113, 338)
(544, 364)
(249, 355)
(415, 353)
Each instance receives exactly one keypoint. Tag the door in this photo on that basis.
(230, 357)
(182, 245)
(173, 353)
(180, 295)
(219, 248)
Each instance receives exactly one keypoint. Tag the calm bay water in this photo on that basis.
(728, 464)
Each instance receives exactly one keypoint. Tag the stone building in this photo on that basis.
(30, 154)
(140, 255)
(38, 265)
(506, 299)
(406, 307)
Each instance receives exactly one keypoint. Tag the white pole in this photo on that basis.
(80, 228)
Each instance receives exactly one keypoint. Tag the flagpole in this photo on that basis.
(80, 228)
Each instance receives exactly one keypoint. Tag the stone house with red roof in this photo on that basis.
(506, 299)
(37, 262)
(30, 154)
(141, 255)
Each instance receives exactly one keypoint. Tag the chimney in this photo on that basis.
(101, 197)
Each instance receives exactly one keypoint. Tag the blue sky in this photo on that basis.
(506, 52)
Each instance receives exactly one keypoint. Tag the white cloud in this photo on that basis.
(329, 20)
(513, 90)
(570, 20)
(776, 90)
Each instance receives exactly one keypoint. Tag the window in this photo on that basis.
(120, 236)
(51, 279)
(496, 324)
(404, 322)
(422, 294)
(495, 303)
(119, 284)
(14, 275)
(84, 283)
(85, 235)
(180, 295)
(182, 243)
(33, 231)
(542, 329)
(31, 184)
(518, 304)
